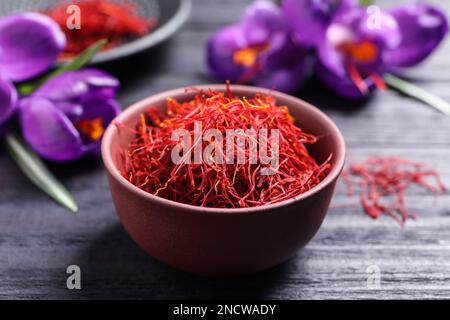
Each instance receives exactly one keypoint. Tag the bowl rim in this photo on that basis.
(115, 174)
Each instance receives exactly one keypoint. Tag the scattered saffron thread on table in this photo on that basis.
(148, 162)
(383, 182)
(116, 21)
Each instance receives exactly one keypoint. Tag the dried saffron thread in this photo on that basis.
(148, 163)
(380, 179)
(116, 21)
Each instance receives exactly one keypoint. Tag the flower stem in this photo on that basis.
(78, 62)
(365, 2)
(33, 167)
(415, 92)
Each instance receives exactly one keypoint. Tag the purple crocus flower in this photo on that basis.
(352, 58)
(361, 44)
(310, 18)
(258, 49)
(8, 99)
(65, 118)
(29, 45)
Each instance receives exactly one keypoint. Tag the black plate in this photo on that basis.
(170, 14)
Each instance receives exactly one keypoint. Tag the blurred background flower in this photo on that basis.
(352, 46)
(351, 56)
(360, 46)
(258, 49)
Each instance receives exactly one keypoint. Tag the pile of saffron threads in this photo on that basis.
(384, 181)
(116, 21)
(148, 162)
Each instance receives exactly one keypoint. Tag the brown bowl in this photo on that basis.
(215, 241)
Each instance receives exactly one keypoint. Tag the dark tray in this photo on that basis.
(170, 14)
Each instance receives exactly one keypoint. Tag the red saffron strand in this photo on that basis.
(149, 166)
(357, 78)
(378, 81)
(383, 182)
(117, 21)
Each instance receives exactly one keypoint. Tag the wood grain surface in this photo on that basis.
(39, 239)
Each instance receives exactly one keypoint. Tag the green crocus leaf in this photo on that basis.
(34, 168)
(365, 2)
(418, 93)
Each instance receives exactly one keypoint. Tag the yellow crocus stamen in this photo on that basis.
(248, 56)
(364, 52)
(93, 128)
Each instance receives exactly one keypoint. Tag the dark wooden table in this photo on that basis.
(39, 239)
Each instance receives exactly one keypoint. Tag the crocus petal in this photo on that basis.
(48, 131)
(287, 80)
(106, 110)
(342, 85)
(286, 70)
(264, 23)
(422, 28)
(79, 85)
(8, 99)
(332, 72)
(29, 45)
(309, 19)
(220, 49)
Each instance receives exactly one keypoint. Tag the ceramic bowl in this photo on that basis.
(223, 242)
